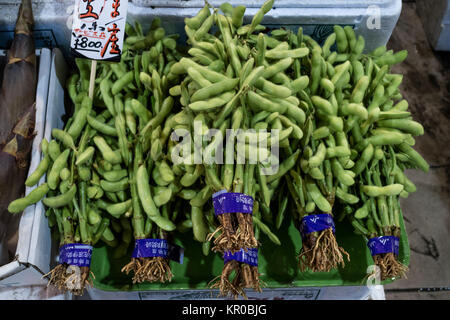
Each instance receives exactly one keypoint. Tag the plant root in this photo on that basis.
(223, 283)
(236, 233)
(389, 266)
(227, 239)
(152, 269)
(67, 278)
(247, 236)
(322, 253)
(246, 277)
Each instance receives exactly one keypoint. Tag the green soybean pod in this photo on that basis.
(84, 173)
(321, 133)
(358, 70)
(310, 207)
(195, 22)
(265, 229)
(319, 156)
(115, 186)
(41, 169)
(282, 54)
(277, 67)
(261, 103)
(322, 104)
(85, 156)
(316, 196)
(204, 28)
(237, 16)
(212, 103)
(106, 151)
(94, 192)
(364, 159)
(101, 127)
(59, 164)
(94, 217)
(64, 174)
(64, 137)
(78, 123)
(389, 190)
(409, 186)
(360, 89)
(363, 211)
(115, 175)
(339, 75)
(199, 227)
(341, 39)
(33, 197)
(359, 47)
(118, 209)
(162, 195)
(273, 89)
(341, 175)
(400, 106)
(296, 114)
(346, 197)
(300, 83)
(406, 125)
(330, 40)
(61, 200)
(214, 89)
(414, 156)
(105, 89)
(337, 151)
(351, 37)
(144, 192)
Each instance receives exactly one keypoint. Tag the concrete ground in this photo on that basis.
(426, 86)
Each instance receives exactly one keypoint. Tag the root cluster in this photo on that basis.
(321, 253)
(67, 278)
(245, 277)
(235, 232)
(389, 266)
(152, 269)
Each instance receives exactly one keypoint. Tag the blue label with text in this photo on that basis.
(76, 254)
(316, 223)
(249, 257)
(226, 202)
(148, 248)
(384, 244)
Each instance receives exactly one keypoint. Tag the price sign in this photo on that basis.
(98, 29)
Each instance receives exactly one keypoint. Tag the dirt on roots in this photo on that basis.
(68, 278)
(321, 253)
(153, 269)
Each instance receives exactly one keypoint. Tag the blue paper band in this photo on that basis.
(75, 254)
(147, 248)
(225, 202)
(250, 257)
(316, 223)
(384, 244)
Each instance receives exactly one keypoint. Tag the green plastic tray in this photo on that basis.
(277, 264)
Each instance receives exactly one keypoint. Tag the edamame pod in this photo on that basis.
(33, 197)
(61, 200)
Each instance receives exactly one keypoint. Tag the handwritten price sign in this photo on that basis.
(98, 29)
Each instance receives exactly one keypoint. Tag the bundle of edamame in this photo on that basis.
(381, 132)
(100, 178)
(343, 132)
(231, 84)
(67, 175)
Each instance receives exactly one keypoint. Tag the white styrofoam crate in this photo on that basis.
(53, 18)
(375, 292)
(26, 269)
